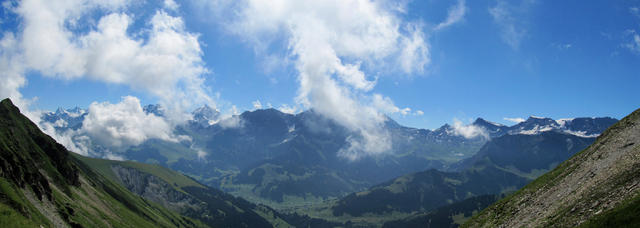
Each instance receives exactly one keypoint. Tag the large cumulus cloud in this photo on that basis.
(95, 40)
(332, 45)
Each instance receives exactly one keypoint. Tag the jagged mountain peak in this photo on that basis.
(483, 122)
(205, 115)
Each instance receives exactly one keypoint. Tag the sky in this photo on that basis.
(424, 63)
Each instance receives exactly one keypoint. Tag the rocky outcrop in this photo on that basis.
(155, 189)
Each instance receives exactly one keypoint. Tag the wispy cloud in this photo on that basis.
(468, 131)
(562, 46)
(171, 5)
(507, 17)
(288, 109)
(635, 11)
(515, 119)
(634, 44)
(330, 43)
(455, 15)
(256, 104)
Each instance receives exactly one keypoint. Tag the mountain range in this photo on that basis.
(501, 166)
(597, 187)
(44, 185)
(438, 177)
(273, 157)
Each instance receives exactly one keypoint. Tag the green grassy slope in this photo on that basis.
(596, 187)
(185, 195)
(42, 184)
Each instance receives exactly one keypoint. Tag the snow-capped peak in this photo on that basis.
(205, 115)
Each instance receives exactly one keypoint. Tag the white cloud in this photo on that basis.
(161, 59)
(385, 105)
(330, 43)
(288, 109)
(257, 104)
(231, 122)
(405, 111)
(468, 131)
(231, 119)
(71, 139)
(234, 110)
(165, 63)
(512, 30)
(112, 127)
(418, 113)
(12, 71)
(201, 154)
(125, 124)
(456, 14)
(515, 120)
(171, 5)
(634, 44)
(635, 11)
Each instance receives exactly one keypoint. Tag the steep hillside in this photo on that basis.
(186, 196)
(597, 187)
(41, 184)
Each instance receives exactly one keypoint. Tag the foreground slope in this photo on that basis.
(598, 186)
(186, 196)
(41, 184)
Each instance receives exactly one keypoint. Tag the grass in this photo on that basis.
(15, 206)
(172, 177)
(9, 217)
(625, 215)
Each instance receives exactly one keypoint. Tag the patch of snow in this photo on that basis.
(495, 124)
(563, 122)
(536, 130)
(581, 133)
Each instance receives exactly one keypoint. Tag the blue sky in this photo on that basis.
(499, 59)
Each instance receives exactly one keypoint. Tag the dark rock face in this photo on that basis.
(27, 154)
(209, 205)
(155, 189)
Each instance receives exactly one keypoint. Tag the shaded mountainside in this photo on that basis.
(67, 189)
(527, 155)
(41, 184)
(451, 215)
(504, 164)
(272, 157)
(598, 187)
(277, 156)
(186, 196)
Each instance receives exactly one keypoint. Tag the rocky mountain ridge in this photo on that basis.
(599, 185)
